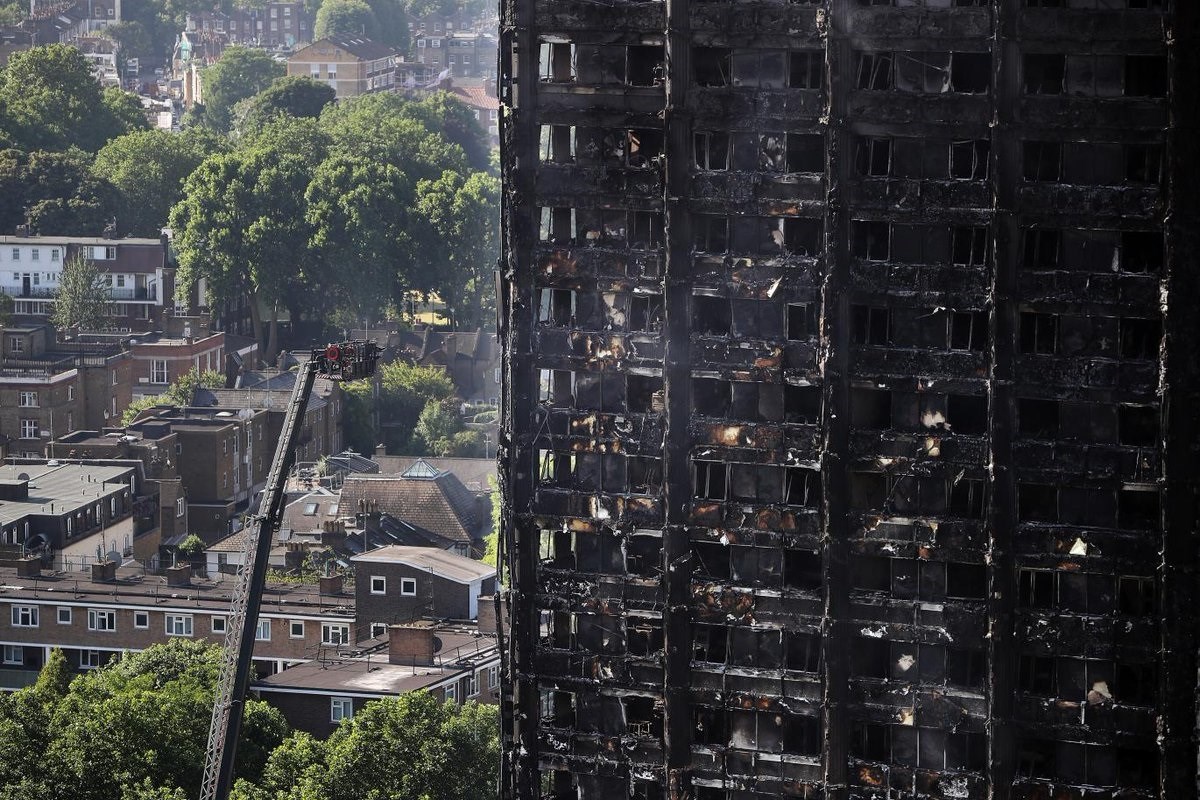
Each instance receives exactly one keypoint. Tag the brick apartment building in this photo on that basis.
(403, 583)
(351, 66)
(272, 25)
(48, 389)
(850, 437)
(135, 271)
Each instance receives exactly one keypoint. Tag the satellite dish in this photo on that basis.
(24, 476)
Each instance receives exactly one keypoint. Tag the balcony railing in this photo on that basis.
(116, 293)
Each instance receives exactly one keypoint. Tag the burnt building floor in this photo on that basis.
(851, 379)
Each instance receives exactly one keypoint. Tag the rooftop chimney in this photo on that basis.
(412, 644)
(331, 584)
(180, 575)
(104, 571)
(29, 567)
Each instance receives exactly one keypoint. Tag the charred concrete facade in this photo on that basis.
(851, 369)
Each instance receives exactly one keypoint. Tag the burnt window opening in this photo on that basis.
(969, 159)
(1140, 338)
(711, 559)
(968, 331)
(599, 553)
(644, 65)
(1039, 333)
(1137, 425)
(557, 784)
(1137, 769)
(711, 150)
(802, 734)
(711, 479)
(802, 404)
(1042, 248)
(803, 651)
(557, 60)
(870, 325)
(967, 498)
(557, 225)
(1141, 251)
(871, 573)
(555, 549)
(645, 229)
(647, 790)
(556, 387)
(558, 144)
(872, 742)
(558, 709)
(802, 235)
(710, 643)
(711, 397)
(1043, 161)
(645, 474)
(1136, 684)
(556, 307)
(875, 71)
(802, 570)
(754, 647)
(710, 726)
(1045, 73)
(1138, 509)
(1037, 419)
(966, 581)
(806, 69)
(1037, 502)
(760, 69)
(711, 316)
(710, 233)
(711, 65)
(870, 658)
(870, 239)
(802, 487)
(643, 147)
(1136, 596)
(1145, 76)
(966, 668)
(756, 730)
(613, 222)
(802, 321)
(1035, 758)
(969, 246)
(871, 409)
(643, 555)
(1143, 163)
(970, 73)
(966, 414)
(754, 483)
(645, 312)
(1036, 588)
(873, 157)
(805, 152)
(643, 716)
(1037, 675)
(1157, 5)
(644, 394)
(868, 491)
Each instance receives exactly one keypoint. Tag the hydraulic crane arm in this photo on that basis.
(345, 361)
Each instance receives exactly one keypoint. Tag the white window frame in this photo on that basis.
(158, 371)
(473, 684)
(89, 659)
(14, 654)
(219, 625)
(262, 632)
(29, 429)
(178, 624)
(141, 620)
(64, 615)
(493, 677)
(180, 506)
(404, 584)
(451, 692)
(341, 708)
(342, 633)
(27, 399)
(25, 616)
(378, 630)
(293, 626)
(381, 582)
(102, 619)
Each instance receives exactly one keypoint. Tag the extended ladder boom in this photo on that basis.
(345, 361)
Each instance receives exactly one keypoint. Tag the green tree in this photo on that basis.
(241, 226)
(462, 245)
(131, 37)
(54, 192)
(404, 391)
(148, 169)
(346, 18)
(6, 309)
(292, 96)
(124, 113)
(435, 429)
(457, 123)
(51, 100)
(393, 24)
(239, 73)
(12, 14)
(412, 746)
(359, 213)
(83, 297)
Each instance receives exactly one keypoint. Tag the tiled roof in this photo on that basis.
(476, 97)
(473, 472)
(442, 506)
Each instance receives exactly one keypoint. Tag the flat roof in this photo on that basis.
(430, 559)
(70, 485)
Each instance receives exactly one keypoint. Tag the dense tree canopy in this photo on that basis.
(55, 193)
(346, 18)
(239, 73)
(51, 101)
(295, 96)
(147, 169)
(83, 297)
